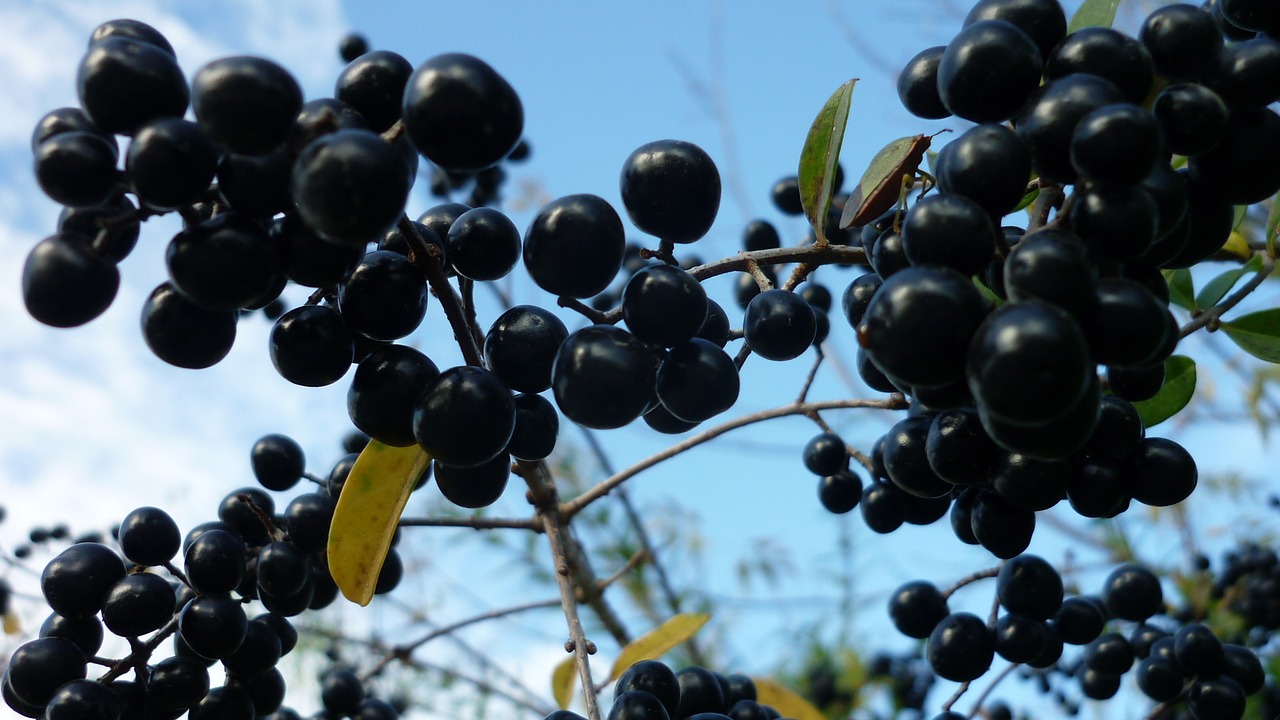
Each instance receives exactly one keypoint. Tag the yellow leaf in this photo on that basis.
(11, 624)
(658, 641)
(786, 702)
(368, 510)
(1238, 246)
(562, 681)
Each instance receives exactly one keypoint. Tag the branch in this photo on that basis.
(977, 704)
(543, 491)
(1210, 318)
(474, 522)
(969, 579)
(427, 257)
(141, 652)
(572, 507)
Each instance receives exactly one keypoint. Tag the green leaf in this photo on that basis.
(1257, 334)
(1179, 385)
(1217, 288)
(1094, 13)
(882, 185)
(987, 292)
(657, 642)
(1240, 212)
(1027, 200)
(562, 681)
(1273, 225)
(1181, 291)
(368, 511)
(819, 157)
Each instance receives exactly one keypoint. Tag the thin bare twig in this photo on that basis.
(474, 522)
(571, 507)
(970, 579)
(977, 704)
(1210, 318)
(427, 257)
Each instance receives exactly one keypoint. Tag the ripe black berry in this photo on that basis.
(988, 70)
(384, 297)
(311, 346)
(380, 401)
(779, 325)
(464, 416)
(77, 169)
(124, 84)
(671, 189)
(918, 85)
(246, 104)
(574, 246)
(960, 648)
(66, 283)
(350, 186)
(663, 305)
(603, 377)
(460, 113)
(1132, 592)
(373, 84)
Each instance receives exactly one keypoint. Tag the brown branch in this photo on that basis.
(808, 380)
(427, 257)
(572, 507)
(542, 489)
(970, 579)
(141, 651)
(1051, 196)
(1210, 318)
(977, 704)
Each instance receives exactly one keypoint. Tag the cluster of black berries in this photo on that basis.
(1248, 584)
(650, 690)
(136, 592)
(1175, 661)
(1009, 414)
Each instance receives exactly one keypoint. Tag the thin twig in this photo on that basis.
(1210, 318)
(808, 380)
(977, 704)
(474, 522)
(427, 257)
(959, 693)
(571, 507)
(543, 490)
(969, 579)
(141, 652)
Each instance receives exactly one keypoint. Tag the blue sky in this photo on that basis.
(91, 425)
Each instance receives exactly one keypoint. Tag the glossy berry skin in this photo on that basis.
(1192, 118)
(906, 460)
(461, 114)
(384, 297)
(697, 381)
(779, 325)
(857, 296)
(960, 648)
(786, 196)
(671, 189)
(477, 486)
(256, 185)
(574, 246)
(213, 626)
(308, 259)
(124, 84)
(1029, 586)
(350, 186)
(134, 29)
(1019, 638)
(216, 561)
(380, 401)
(483, 244)
(1254, 15)
(1053, 266)
(1042, 20)
(1248, 74)
(1198, 650)
(825, 454)
(1104, 53)
(1132, 592)
(373, 85)
(652, 677)
(948, 230)
(521, 346)
(1161, 472)
(148, 536)
(1051, 118)
(700, 692)
(170, 163)
(989, 165)
(78, 580)
(83, 700)
(1217, 699)
(66, 283)
(1001, 528)
(185, 334)
(760, 235)
(352, 46)
(1116, 145)
(840, 493)
(958, 449)
(38, 668)
(1029, 363)
(1242, 169)
(76, 169)
(1131, 326)
(537, 425)
(1183, 40)
(307, 518)
(278, 462)
(246, 104)
(603, 377)
(637, 705)
(918, 85)
(311, 346)
(988, 70)
(916, 608)
(223, 263)
(139, 604)
(920, 305)
(663, 305)
(464, 416)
